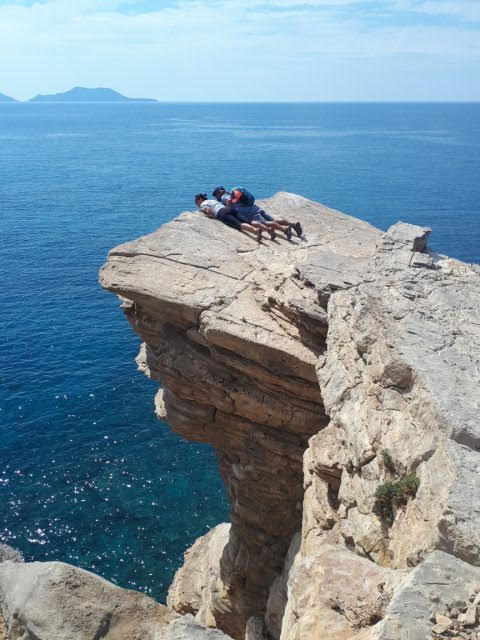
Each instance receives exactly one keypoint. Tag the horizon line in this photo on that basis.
(151, 101)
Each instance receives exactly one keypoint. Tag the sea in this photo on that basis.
(88, 475)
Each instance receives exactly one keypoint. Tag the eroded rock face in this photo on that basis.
(426, 597)
(401, 375)
(333, 593)
(193, 587)
(56, 601)
(318, 369)
(187, 628)
(234, 331)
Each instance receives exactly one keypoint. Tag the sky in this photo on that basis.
(244, 50)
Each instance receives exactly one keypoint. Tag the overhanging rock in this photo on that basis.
(319, 369)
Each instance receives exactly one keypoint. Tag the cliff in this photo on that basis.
(337, 377)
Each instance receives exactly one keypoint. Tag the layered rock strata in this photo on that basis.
(234, 331)
(320, 370)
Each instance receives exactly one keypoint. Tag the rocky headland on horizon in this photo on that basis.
(4, 98)
(82, 94)
(337, 377)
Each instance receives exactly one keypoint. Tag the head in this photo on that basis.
(218, 193)
(199, 198)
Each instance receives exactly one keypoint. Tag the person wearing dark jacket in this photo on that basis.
(215, 209)
(252, 213)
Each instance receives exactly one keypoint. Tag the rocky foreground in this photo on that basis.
(337, 377)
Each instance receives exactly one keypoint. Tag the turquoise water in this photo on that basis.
(87, 474)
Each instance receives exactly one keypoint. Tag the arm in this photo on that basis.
(227, 201)
(208, 211)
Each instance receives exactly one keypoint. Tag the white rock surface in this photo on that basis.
(194, 584)
(335, 594)
(56, 601)
(187, 628)
(439, 580)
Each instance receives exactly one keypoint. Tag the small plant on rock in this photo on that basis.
(390, 495)
(407, 486)
(388, 460)
(384, 503)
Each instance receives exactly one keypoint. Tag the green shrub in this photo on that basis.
(407, 486)
(384, 503)
(388, 461)
(390, 495)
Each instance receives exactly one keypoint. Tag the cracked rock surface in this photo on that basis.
(320, 369)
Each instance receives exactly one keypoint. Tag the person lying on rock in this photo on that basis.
(253, 213)
(257, 223)
(217, 210)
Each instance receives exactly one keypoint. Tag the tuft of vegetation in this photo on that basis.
(384, 503)
(407, 486)
(388, 461)
(390, 495)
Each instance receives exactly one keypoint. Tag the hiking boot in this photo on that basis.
(298, 229)
(288, 233)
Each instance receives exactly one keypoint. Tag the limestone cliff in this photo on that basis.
(337, 378)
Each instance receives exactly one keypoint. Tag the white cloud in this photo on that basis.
(466, 10)
(170, 53)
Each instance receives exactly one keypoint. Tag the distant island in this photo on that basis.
(4, 98)
(83, 94)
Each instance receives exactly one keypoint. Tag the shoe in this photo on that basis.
(288, 233)
(272, 233)
(298, 229)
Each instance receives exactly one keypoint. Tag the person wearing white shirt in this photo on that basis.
(217, 210)
(253, 214)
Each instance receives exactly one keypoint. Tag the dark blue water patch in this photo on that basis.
(93, 479)
(87, 474)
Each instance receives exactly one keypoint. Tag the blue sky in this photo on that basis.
(244, 49)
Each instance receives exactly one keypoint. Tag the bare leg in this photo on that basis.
(251, 229)
(232, 221)
(259, 225)
(284, 222)
(264, 227)
(276, 224)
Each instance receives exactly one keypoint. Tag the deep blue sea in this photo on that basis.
(87, 473)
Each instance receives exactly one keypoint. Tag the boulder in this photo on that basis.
(195, 582)
(9, 554)
(420, 604)
(56, 601)
(336, 594)
(187, 628)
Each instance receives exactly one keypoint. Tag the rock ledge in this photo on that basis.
(308, 366)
